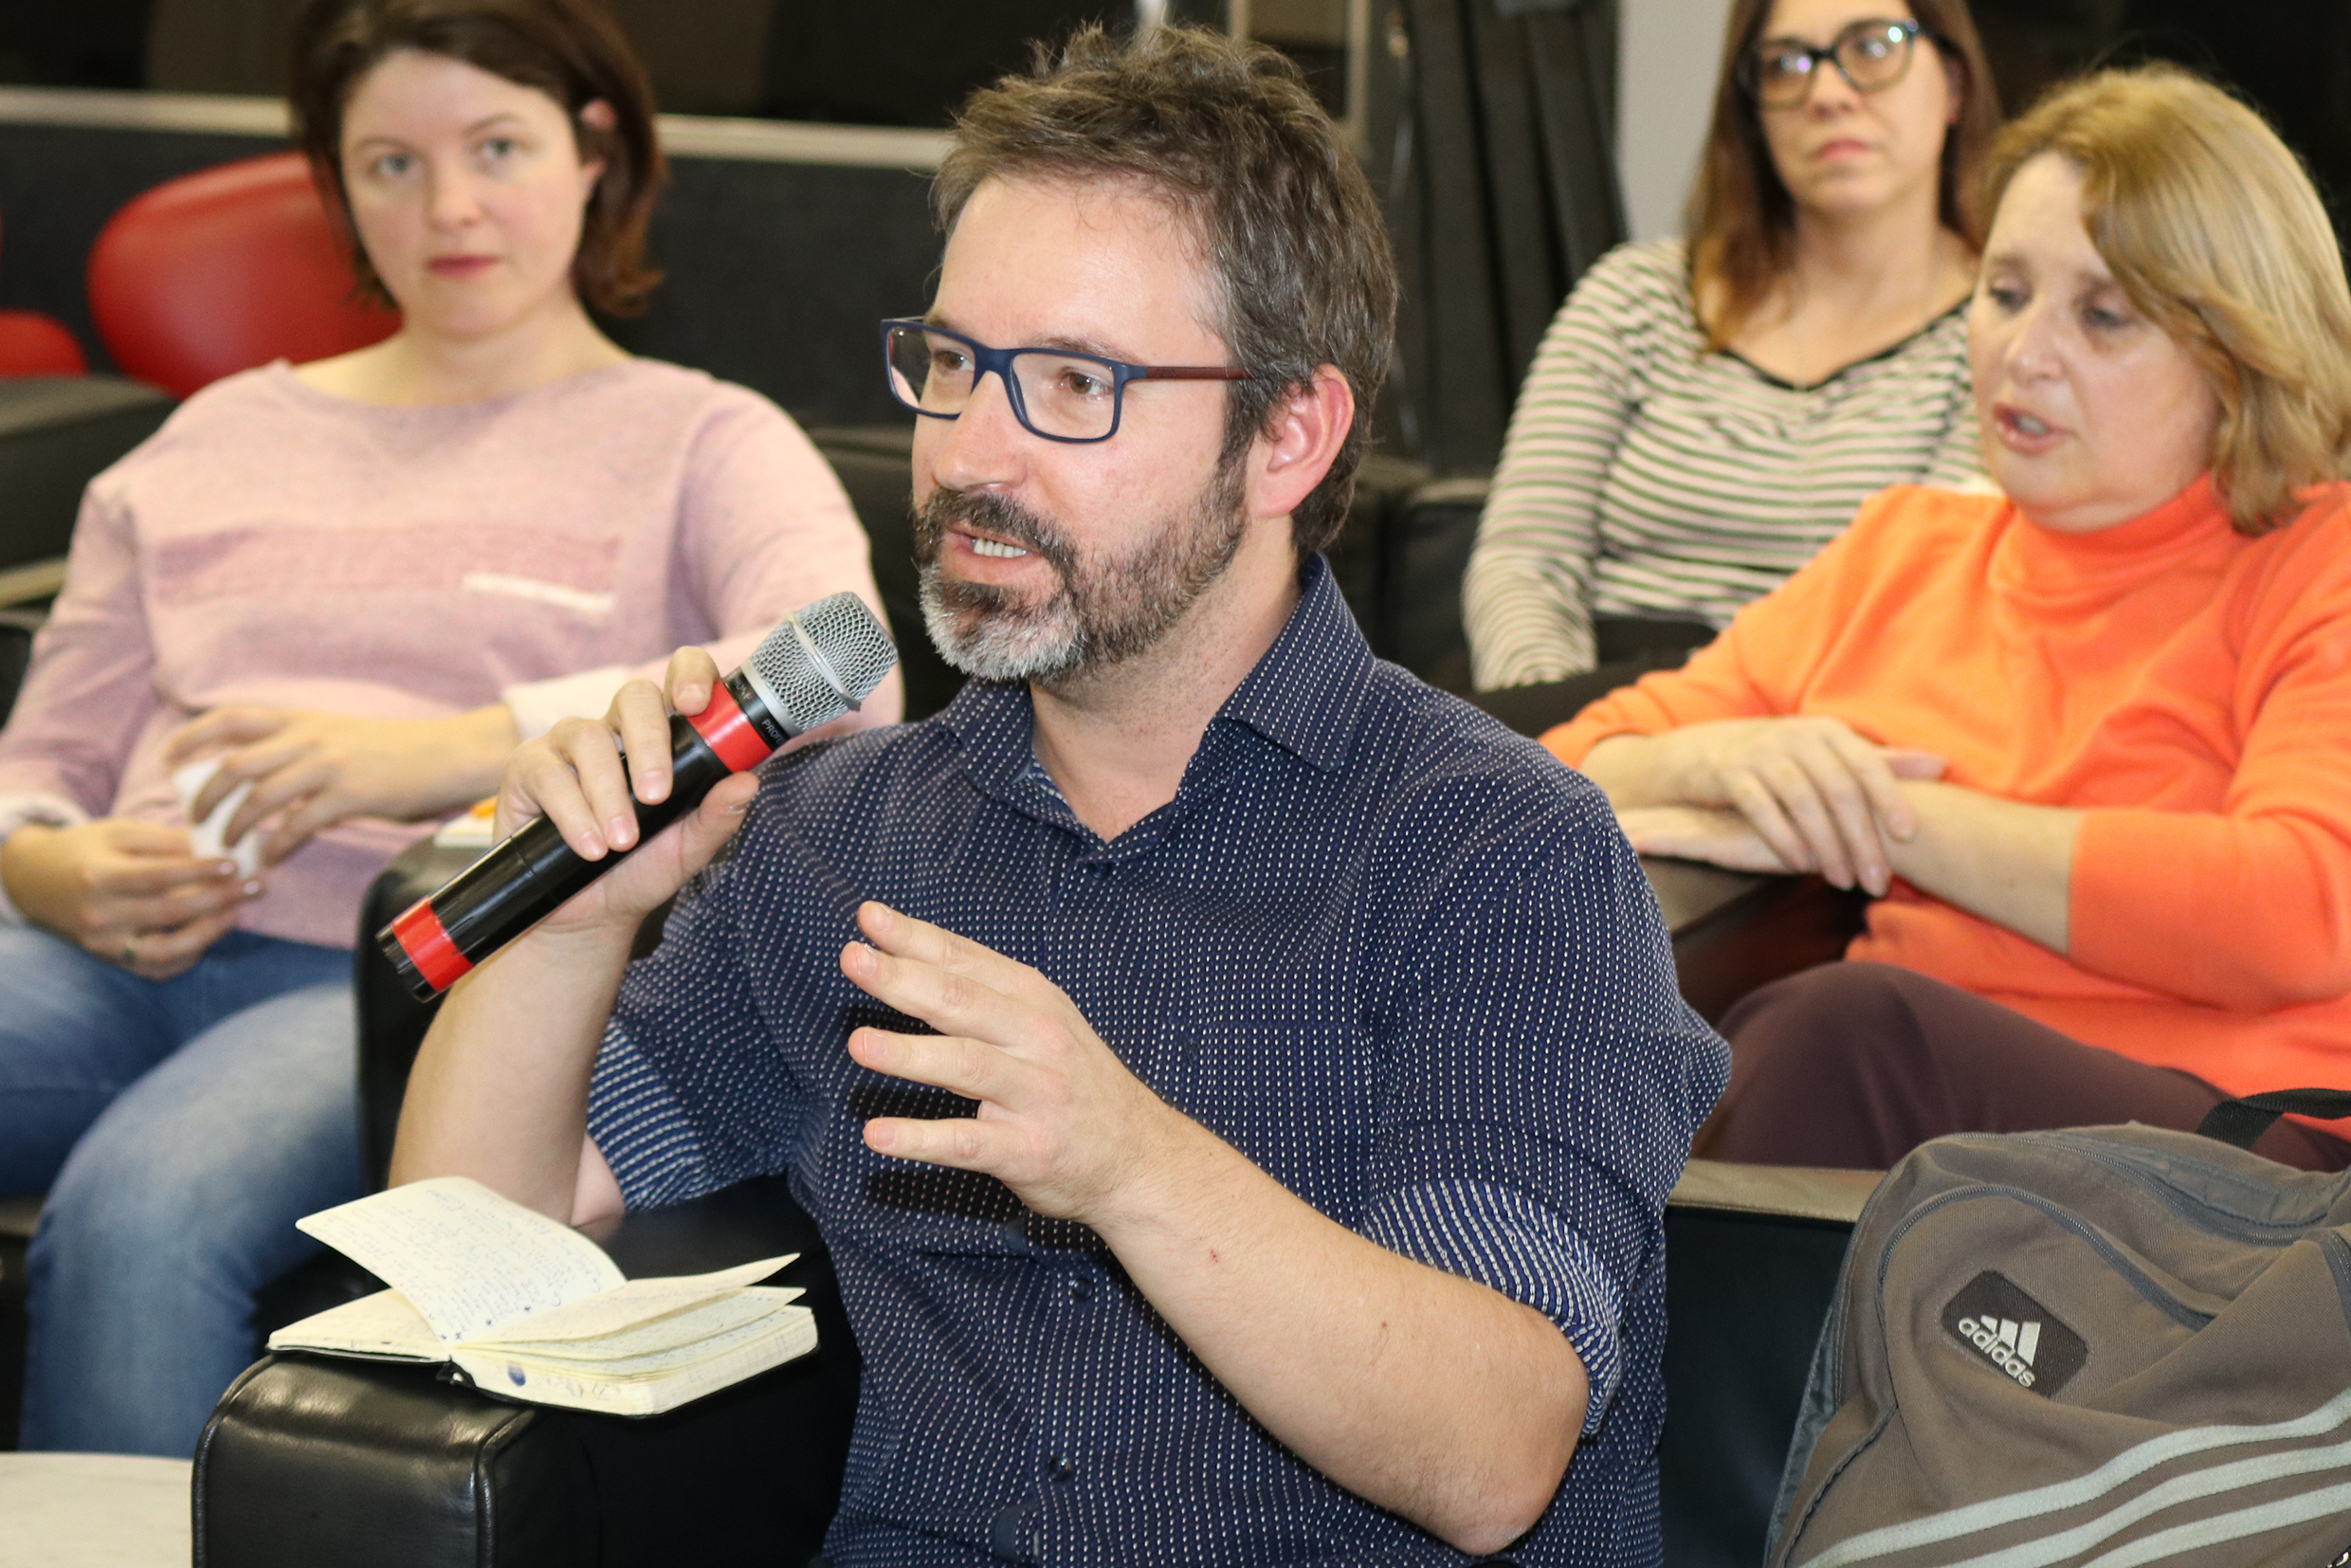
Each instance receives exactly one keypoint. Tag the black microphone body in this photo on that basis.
(533, 872)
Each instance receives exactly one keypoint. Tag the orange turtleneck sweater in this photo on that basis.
(2189, 688)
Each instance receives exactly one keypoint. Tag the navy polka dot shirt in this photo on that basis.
(1396, 956)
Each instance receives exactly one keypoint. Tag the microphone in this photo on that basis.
(817, 666)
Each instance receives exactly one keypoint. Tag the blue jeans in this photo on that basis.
(180, 1129)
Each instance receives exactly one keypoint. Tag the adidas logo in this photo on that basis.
(1993, 1319)
(2009, 1343)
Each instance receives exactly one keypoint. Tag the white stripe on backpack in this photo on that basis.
(2122, 1468)
(2235, 1526)
(2180, 1489)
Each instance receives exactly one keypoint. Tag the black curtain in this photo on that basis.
(1493, 127)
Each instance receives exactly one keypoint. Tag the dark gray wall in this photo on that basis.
(59, 186)
(776, 272)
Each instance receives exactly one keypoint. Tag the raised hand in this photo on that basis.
(1062, 1121)
(578, 776)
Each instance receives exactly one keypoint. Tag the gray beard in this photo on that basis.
(1100, 612)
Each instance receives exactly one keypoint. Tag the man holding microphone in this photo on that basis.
(1239, 1085)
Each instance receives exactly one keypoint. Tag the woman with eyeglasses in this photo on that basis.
(354, 585)
(1703, 416)
(2087, 736)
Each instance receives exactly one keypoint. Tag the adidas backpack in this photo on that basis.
(2095, 1348)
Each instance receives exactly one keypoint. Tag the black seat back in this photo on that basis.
(56, 433)
(1753, 1256)
(873, 463)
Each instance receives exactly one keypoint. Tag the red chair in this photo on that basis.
(224, 269)
(34, 344)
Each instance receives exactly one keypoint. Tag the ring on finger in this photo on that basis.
(130, 952)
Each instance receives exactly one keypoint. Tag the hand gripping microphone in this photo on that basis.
(812, 669)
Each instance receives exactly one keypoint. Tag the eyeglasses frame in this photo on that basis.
(1751, 67)
(998, 362)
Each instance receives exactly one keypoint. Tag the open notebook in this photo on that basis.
(530, 1309)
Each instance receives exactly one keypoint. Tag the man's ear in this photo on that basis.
(1298, 443)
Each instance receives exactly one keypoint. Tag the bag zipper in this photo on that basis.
(2197, 1212)
(2171, 1306)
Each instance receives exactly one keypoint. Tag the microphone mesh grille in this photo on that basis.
(844, 656)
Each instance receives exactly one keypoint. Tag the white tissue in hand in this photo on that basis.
(204, 838)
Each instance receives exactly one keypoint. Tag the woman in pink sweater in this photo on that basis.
(358, 583)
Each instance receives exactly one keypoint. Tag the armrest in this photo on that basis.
(18, 1217)
(1756, 1251)
(17, 627)
(55, 436)
(314, 1459)
(1774, 1191)
(423, 1473)
(392, 1022)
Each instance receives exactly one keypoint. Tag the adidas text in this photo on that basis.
(2009, 1345)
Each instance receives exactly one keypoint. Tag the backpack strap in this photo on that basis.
(2241, 1121)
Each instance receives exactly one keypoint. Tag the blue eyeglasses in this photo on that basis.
(1057, 393)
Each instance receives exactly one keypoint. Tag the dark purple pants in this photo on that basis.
(1854, 1065)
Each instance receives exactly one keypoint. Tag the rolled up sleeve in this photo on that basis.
(1516, 1247)
(1544, 1081)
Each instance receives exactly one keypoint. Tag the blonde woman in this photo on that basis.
(2090, 738)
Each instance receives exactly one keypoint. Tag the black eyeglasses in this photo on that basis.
(1871, 56)
(1057, 393)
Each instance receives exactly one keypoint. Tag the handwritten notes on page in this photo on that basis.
(469, 1261)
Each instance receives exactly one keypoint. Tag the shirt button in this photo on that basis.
(1062, 1467)
(1079, 1287)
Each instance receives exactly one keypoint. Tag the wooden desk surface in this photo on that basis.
(1733, 931)
(94, 1508)
(1689, 892)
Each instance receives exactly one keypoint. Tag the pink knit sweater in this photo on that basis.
(275, 544)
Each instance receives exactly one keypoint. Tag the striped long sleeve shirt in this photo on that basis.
(1645, 476)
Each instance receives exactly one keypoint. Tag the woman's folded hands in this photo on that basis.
(1803, 794)
(310, 770)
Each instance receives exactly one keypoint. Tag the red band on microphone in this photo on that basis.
(725, 729)
(428, 947)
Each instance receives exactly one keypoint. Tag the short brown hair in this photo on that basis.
(2212, 227)
(572, 51)
(1229, 135)
(1742, 220)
